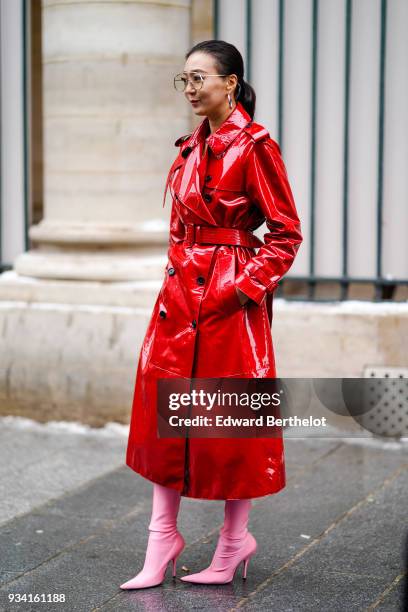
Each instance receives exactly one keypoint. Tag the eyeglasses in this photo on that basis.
(197, 80)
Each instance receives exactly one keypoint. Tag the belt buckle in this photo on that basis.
(189, 237)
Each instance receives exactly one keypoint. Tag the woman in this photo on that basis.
(213, 315)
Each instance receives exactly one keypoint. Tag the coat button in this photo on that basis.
(200, 280)
(194, 323)
(162, 313)
(207, 197)
(171, 271)
(208, 178)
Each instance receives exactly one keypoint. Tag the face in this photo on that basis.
(211, 100)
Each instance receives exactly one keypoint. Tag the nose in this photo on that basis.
(189, 87)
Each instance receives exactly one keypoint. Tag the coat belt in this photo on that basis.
(205, 234)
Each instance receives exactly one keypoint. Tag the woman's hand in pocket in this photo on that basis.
(243, 298)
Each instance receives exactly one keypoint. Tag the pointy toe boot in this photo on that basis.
(227, 557)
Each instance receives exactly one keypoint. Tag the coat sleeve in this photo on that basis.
(268, 187)
(177, 231)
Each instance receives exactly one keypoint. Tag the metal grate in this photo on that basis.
(384, 280)
(386, 401)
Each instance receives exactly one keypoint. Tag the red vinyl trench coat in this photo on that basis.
(198, 328)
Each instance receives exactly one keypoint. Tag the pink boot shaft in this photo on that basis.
(165, 542)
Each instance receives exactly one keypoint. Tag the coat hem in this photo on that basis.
(276, 489)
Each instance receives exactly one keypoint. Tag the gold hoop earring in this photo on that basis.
(229, 100)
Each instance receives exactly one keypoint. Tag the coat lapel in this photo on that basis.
(187, 183)
(221, 139)
(187, 187)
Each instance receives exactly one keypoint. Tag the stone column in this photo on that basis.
(111, 116)
(74, 310)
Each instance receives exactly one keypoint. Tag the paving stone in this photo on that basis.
(302, 452)
(396, 598)
(303, 591)
(38, 465)
(27, 540)
(368, 541)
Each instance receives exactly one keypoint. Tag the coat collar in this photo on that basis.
(187, 186)
(219, 140)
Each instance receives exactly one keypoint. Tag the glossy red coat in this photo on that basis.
(239, 183)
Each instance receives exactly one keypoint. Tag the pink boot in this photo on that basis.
(235, 544)
(165, 542)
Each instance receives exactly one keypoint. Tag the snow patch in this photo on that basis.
(111, 429)
(345, 307)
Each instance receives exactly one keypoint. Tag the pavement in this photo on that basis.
(73, 525)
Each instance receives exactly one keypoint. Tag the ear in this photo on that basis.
(233, 82)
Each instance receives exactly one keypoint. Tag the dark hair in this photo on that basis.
(229, 61)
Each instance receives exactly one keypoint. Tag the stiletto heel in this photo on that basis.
(174, 566)
(244, 575)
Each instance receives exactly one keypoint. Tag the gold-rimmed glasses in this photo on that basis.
(196, 80)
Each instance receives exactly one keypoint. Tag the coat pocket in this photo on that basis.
(227, 292)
